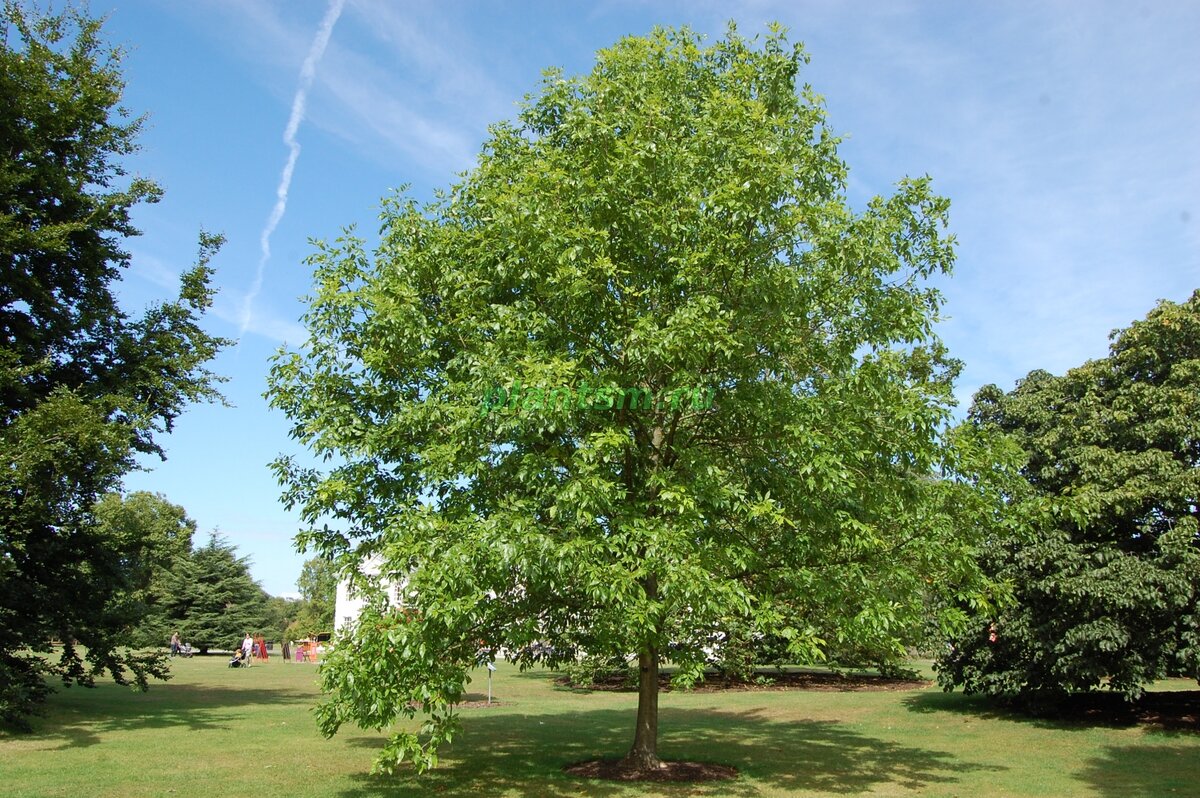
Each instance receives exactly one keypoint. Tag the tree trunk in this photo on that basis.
(643, 755)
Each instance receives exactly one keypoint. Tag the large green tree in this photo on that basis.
(84, 388)
(212, 599)
(1110, 595)
(676, 219)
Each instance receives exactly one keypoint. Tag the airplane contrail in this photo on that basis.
(307, 71)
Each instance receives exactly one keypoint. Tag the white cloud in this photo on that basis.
(153, 270)
(377, 115)
(401, 84)
(299, 102)
(227, 307)
(1063, 134)
(264, 322)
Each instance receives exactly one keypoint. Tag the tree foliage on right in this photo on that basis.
(1110, 594)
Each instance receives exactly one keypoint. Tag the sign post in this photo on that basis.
(491, 670)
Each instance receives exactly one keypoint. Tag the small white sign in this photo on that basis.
(491, 667)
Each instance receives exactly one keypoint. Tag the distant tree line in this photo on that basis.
(206, 593)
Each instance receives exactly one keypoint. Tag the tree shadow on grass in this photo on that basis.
(1165, 713)
(79, 717)
(525, 754)
(1149, 771)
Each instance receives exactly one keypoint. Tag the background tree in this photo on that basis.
(1109, 596)
(677, 218)
(83, 387)
(155, 536)
(281, 613)
(318, 586)
(212, 599)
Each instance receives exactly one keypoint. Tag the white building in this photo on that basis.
(348, 606)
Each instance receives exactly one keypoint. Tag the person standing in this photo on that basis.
(247, 650)
(174, 643)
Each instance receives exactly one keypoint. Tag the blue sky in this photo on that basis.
(1064, 133)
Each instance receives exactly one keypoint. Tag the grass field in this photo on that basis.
(212, 731)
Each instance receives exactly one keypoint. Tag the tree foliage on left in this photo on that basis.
(84, 388)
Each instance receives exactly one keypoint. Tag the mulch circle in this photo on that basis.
(829, 682)
(616, 770)
(1177, 710)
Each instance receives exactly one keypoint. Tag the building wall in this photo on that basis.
(348, 606)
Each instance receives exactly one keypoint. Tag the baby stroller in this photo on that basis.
(237, 661)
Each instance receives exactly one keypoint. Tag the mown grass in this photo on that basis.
(218, 732)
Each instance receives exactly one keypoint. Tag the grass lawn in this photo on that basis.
(212, 731)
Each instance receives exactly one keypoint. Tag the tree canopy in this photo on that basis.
(84, 388)
(676, 220)
(1109, 595)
